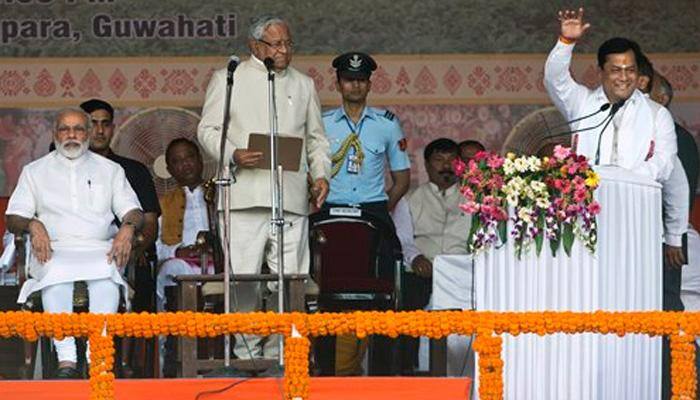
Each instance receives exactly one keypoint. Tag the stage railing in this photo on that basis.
(681, 328)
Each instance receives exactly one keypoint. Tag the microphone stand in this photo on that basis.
(223, 184)
(276, 196)
(600, 137)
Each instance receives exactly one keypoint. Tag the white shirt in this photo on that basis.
(440, 226)
(76, 200)
(641, 128)
(404, 230)
(674, 195)
(298, 115)
(194, 221)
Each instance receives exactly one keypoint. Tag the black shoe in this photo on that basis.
(67, 373)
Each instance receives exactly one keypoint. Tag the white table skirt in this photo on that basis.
(624, 274)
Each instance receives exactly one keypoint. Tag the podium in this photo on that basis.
(624, 274)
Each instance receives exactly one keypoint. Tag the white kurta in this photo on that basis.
(298, 115)
(194, 220)
(643, 129)
(401, 215)
(440, 227)
(77, 201)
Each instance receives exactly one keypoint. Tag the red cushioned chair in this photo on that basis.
(356, 262)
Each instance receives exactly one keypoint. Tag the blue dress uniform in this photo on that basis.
(359, 175)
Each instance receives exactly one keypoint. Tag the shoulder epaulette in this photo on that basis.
(389, 115)
(327, 113)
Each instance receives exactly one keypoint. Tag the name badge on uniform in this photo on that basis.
(353, 164)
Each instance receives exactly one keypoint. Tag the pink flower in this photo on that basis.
(579, 195)
(459, 167)
(572, 209)
(561, 152)
(495, 183)
(467, 192)
(594, 208)
(489, 200)
(469, 207)
(563, 185)
(481, 155)
(494, 161)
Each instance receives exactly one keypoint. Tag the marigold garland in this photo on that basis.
(490, 365)
(296, 370)
(100, 329)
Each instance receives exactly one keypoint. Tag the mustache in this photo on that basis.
(71, 142)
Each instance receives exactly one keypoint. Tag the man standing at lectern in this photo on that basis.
(298, 115)
(638, 138)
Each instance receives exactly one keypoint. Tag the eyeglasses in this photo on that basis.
(63, 129)
(279, 45)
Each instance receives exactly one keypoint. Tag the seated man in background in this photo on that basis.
(67, 201)
(185, 216)
(440, 227)
(468, 149)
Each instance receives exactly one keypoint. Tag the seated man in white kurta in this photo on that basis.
(440, 227)
(184, 216)
(67, 201)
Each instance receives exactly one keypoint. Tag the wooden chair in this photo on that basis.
(189, 287)
(357, 263)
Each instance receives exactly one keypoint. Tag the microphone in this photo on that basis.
(232, 65)
(615, 108)
(602, 108)
(269, 64)
(606, 119)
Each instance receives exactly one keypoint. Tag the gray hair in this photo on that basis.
(666, 87)
(73, 110)
(260, 24)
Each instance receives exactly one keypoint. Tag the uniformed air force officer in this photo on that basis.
(361, 139)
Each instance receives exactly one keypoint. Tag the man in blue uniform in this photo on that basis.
(362, 139)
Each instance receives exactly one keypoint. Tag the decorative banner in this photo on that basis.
(419, 79)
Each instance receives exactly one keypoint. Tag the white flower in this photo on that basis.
(508, 167)
(542, 202)
(520, 164)
(533, 163)
(525, 214)
(538, 186)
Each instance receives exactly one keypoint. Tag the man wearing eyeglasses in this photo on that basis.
(298, 115)
(66, 202)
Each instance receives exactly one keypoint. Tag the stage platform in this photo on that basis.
(380, 388)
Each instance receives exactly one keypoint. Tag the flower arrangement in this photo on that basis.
(548, 198)
(680, 327)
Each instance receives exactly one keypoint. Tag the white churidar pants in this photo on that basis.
(58, 298)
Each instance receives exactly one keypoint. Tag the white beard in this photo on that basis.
(72, 152)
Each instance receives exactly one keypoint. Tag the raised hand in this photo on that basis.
(572, 24)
